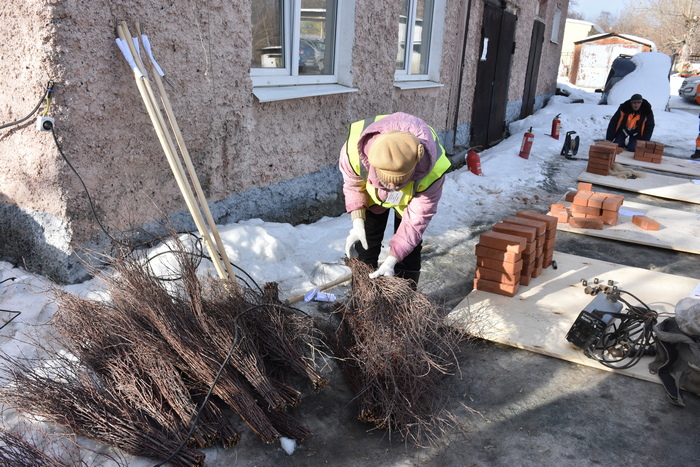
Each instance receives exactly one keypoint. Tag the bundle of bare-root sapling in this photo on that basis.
(70, 395)
(155, 347)
(395, 352)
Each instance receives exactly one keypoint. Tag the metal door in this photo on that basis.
(533, 69)
(492, 77)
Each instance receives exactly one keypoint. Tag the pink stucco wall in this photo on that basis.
(236, 142)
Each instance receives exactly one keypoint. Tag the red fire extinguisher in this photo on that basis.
(556, 127)
(696, 155)
(474, 162)
(528, 138)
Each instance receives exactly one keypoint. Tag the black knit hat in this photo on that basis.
(636, 98)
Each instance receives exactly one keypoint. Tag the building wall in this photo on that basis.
(273, 160)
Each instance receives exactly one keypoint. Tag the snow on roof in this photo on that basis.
(629, 37)
(580, 21)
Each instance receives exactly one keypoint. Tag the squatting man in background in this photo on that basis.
(633, 120)
(391, 163)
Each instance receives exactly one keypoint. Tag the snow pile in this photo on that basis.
(650, 79)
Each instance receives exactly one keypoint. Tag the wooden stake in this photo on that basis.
(194, 180)
(169, 148)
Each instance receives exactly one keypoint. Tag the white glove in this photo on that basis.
(357, 234)
(386, 269)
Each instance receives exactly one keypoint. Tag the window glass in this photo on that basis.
(317, 37)
(403, 32)
(294, 41)
(421, 41)
(268, 32)
(415, 30)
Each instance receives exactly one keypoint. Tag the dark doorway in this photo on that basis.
(533, 69)
(492, 76)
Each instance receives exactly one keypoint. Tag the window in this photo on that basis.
(419, 40)
(294, 42)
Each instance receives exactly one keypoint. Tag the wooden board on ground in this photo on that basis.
(661, 186)
(679, 231)
(540, 315)
(668, 164)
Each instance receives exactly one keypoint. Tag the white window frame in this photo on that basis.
(403, 78)
(289, 75)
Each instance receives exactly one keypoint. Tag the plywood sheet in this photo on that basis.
(679, 231)
(668, 164)
(661, 186)
(540, 315)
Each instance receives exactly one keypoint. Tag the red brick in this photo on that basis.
(562, 215)
(596, 200)
(497, 276)
(551, 221)
(599, 164)
(496, 287)
(539, 225)
(581, 198)
(496, 265)
(547, 261)
(549, 244)
(609, 219)
(605, 146)
(613, 202)
(576, 210)
(569, 197)
(597, 171)
(500, 255)
(540, 241)
(530, 247)
(537, 272)
(645, 222)
(501, 241)
(583, 186)
(518, 230)
(583, 223)
(600, 155)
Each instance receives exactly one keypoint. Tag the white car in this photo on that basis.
(689, 89)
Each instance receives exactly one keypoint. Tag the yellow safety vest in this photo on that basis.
(441, 166)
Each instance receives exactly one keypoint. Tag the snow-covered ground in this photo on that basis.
(301, 258)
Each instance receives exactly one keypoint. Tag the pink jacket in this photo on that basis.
(422, 207)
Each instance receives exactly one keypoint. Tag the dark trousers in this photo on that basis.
(375, 225)
(620, 141)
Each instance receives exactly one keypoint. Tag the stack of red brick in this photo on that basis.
(649, 151)
(514, 251)
(601, 157)
(589, 209)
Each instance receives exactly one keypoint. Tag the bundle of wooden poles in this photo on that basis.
(140, 363)
(395, 351)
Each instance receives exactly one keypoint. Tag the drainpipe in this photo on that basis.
(461, 74)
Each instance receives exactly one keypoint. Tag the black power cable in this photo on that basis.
(628, 337)
(49, 89)
(87, 193)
